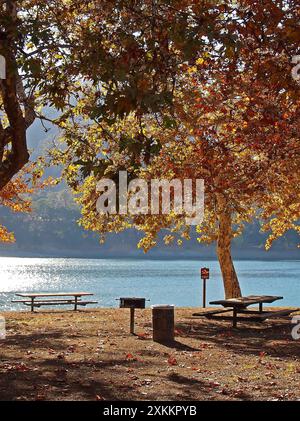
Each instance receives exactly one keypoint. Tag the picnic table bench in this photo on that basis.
(240, 306)
(33, 299)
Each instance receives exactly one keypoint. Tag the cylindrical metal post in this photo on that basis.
(163, 321)
(132, 320)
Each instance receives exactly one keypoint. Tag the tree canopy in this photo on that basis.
(130, 52)
(233, 121)
(193, 88)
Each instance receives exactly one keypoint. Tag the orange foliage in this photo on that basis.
(16, 195)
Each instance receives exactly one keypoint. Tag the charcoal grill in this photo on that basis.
(132, 303)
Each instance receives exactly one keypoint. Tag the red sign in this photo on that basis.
(205, 273)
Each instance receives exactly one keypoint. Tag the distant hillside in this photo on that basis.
(51, 229)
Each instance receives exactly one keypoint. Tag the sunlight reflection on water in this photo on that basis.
(163, 281)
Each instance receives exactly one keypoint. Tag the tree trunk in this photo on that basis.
(230, 280)
(14, 100)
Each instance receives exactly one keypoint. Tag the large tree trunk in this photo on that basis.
(18, 108)
(230, 280)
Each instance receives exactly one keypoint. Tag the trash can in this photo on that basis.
(163, 323)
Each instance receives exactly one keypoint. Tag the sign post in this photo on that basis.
(204, 272)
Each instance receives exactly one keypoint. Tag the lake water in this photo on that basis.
(162, 281)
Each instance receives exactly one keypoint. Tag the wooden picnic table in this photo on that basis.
(239, 306)
(32, 296)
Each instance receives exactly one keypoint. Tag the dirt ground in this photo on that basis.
(89, 355)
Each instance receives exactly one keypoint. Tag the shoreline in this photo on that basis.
(101, 309)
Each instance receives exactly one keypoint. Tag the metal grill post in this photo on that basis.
(132, 321)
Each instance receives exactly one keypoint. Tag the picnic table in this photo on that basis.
(240, 306)
(33, 299)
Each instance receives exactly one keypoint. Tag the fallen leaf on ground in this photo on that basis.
(172, 361)
(130, 357)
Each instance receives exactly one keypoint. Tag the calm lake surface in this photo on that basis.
(162, 281)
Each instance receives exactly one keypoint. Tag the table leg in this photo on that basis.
(260, 307)
(234, 320)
